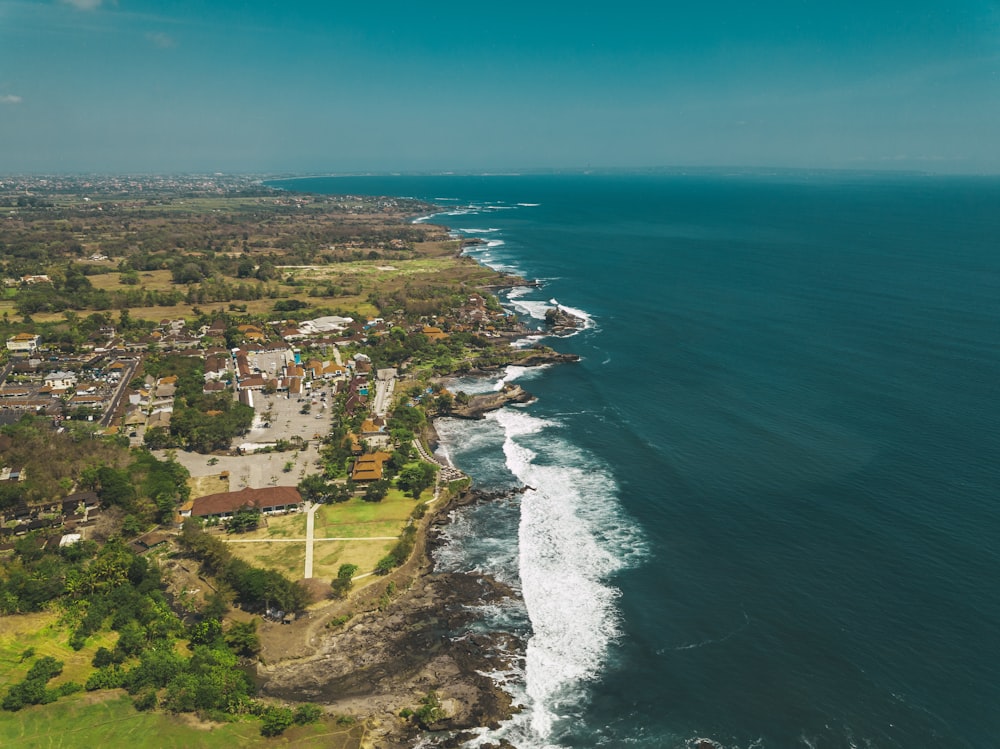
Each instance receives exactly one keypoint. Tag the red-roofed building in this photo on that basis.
(269, 500)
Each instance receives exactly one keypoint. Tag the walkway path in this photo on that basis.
(302, 540)
(310, 529)
(447, 472)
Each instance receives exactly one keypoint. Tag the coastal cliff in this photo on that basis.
(399, 647)
(479, 405)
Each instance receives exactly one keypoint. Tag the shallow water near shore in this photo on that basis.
(763, 507)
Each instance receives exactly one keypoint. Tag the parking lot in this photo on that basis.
(278, 417)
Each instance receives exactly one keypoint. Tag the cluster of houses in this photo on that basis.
(73, 513)
(61, 385)
(152, 405)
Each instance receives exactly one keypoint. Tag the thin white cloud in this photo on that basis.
(83, 4)
(10, 99)
(161, 40)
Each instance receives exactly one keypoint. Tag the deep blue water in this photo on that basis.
(765, 506)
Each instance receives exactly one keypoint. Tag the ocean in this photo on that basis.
(764, 507)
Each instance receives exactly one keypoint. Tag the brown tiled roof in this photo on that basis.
(272, 496)
(252, 382)
(369, 467)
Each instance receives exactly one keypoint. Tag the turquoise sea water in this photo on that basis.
(765, 506)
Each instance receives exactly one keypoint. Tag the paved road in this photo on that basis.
(122, 384)
(383, 396)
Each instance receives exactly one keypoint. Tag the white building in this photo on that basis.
(23, 342)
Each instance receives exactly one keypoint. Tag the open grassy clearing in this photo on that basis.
(329, 555)
(359, 519)
(288, 558)
(151, 280)
(352, 519)
(108, 719)
(279, 526)
(42, 633)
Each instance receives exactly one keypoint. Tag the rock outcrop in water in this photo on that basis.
(561, 321)
(479, 405)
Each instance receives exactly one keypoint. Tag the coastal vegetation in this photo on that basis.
(156, 285)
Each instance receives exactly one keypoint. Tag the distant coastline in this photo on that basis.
(406, 642)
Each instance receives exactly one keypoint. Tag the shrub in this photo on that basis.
(430, 710)
(276, 720)
(307, 714)
(385, 565)
(145, 700)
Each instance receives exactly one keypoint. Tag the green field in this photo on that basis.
(42, 633)
(108, 720)
(352, 519)
(359, 519)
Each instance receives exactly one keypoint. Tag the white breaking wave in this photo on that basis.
(518, 291)
(529, 205)
(531, 308)
(528, 341)
(515, 372)
(479, 231)
(571, 539)
(495, 243)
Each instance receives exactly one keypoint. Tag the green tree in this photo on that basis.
(376, 491)
(115, 488)
(242, 638)
(314, 488)
(343, 582)
(243, 520)
(414, 479)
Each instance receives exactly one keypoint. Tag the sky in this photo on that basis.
(135, 86)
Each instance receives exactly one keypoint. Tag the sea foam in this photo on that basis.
(571, 539)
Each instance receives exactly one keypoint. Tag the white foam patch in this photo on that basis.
(528, 341)
(515, 372)
(534, 309)
(472, 435)
(479, 231)
(529, 205)
(474, 385)
(571, 539)
(518, 291)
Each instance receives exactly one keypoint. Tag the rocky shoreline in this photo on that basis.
(398, 648)
(409, 634)
(481, 404)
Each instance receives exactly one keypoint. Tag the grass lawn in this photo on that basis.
(41, 632)
(329, 555)
(288, 558)
(106, 719)
(352, 519)
(278, 526)
(359, 519)
(151, 280)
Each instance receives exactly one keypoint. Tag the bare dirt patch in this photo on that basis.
(202, 486)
